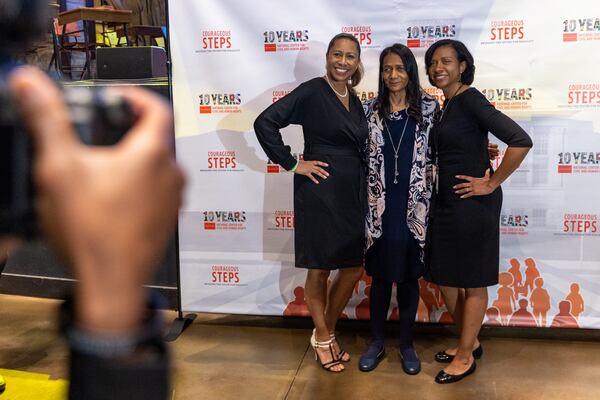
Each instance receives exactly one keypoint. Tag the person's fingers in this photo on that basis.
(322, 172)
(43, 110)
(154, 118)
(321, 163)
(465, 178)
(312, 178)
(487, 174)
(462, 185)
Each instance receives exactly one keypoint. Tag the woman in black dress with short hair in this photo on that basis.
(463, 231)
(329, 186)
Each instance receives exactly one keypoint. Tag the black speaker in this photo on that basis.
(131, 62)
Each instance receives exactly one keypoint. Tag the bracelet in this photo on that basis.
(295, 167)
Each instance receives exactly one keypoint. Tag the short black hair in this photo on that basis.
(462, 54)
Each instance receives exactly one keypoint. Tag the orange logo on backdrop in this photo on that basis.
(515, 298)
(519, 302)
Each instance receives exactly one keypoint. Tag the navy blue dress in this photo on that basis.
(394, 257)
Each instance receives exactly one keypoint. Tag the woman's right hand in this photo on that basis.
(311, 168)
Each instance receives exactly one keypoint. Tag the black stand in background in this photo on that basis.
(180, 323)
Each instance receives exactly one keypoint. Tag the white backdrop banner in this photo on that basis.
(535, 62)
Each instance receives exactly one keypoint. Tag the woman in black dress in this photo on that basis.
(399, 191)
(463, 231)
(329, 186)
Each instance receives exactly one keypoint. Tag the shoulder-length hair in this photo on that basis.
(462, 54)
(413, 89)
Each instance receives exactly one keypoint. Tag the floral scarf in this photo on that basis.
(420, 185)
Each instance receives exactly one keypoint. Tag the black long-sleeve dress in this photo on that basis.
(463, 246)
(330, 216)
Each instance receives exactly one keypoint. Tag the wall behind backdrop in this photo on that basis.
(232, 59)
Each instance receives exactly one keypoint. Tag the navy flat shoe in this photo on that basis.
(370, 360)
(410, 361)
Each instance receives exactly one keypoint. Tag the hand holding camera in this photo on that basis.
(108, 210)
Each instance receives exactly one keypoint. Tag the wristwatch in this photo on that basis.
(146, 339)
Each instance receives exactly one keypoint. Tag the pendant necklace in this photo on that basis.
(332, 88)
(396, 149)
(448, 103)
(436, 138)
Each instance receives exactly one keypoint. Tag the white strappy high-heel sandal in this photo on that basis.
(342, 353)
(328, 366)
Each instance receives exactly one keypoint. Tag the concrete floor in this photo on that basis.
(243, 357)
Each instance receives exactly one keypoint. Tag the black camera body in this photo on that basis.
(99, 118)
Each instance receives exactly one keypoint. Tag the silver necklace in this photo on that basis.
(436, 140)
(448, 103)
(332, 88)
(396, 150)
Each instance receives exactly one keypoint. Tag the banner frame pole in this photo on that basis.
(181, 323)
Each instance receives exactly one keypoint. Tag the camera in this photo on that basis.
(99, 117)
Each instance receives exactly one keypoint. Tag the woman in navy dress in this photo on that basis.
(329, 186)
(399, 190)
(463, 233)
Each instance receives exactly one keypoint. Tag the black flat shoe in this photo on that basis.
(443, 357)
(443, 378)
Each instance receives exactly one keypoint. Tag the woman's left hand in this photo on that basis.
(474, 186)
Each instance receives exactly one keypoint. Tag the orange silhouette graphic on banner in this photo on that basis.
(492, 315)
(515, 271)
(298, 306)
(531, 293)
(522, 316)
(446, 318)
(428, 298)
(576, 300)
(362, 309)
(437, 294)
(564, 319)
(423, 314)
(366, 279)
(394, 315)
(531, 273)
(505, 302)
(540, 302)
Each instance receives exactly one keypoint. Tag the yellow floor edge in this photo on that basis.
(21, 385)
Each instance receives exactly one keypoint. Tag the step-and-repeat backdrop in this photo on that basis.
(536, 61)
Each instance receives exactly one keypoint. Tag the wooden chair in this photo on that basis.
(69, 40)
(74, 32)
(145, 34)
(140, 32)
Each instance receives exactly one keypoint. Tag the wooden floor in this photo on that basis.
(244, 357)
